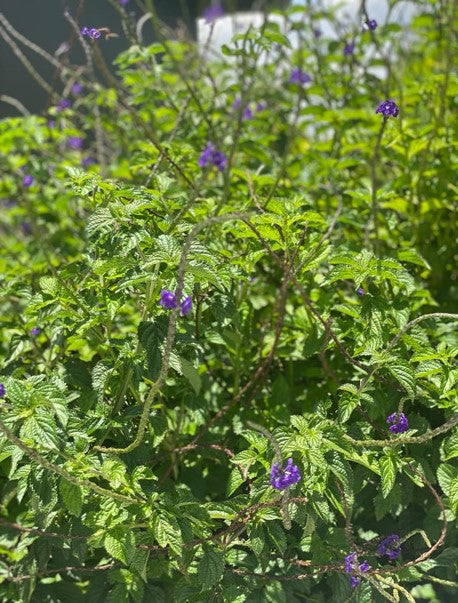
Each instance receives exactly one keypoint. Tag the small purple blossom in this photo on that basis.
(350, 567)
(247, 113)
(35, 331)
(2, 390)
(64, 103)
(354, 581)
(168, 300)
(51, 123)
(28, 180)
(186, 305)
(93, 33)
(348, 49)
(317, 33)
(399, 422)
(75, 142)
(87, 161)
(211, 156)
(123, 2)
(390, 547)
(350, 562)
(26, 228)
(297, 76)
(372, 24)
(77, 88)
(360, 291)
(261, 106)
(283, 478)
(388, 108)
(213, 12)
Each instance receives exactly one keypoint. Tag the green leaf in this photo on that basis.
(120, 544)
(387, 473)
(168, 532)
(72, 496)
(191, 374)
(405, 374)
(211, 567)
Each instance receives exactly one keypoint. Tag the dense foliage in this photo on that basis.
(144, 442)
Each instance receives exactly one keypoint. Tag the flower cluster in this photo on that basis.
(2, 390)
(390, 546)
(212, 156)
(350, 568)
(297, 76)
(77, 88)
(75, 142)
(213, 12)
(64, 103)
(372, 24)
(388, 108)
(283, 478)
(28, 180)
(169, 302)
(348, 49)
(93, 33)
(398, 422)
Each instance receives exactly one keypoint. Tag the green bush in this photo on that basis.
(319, 253)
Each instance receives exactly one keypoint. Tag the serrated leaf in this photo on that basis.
(168, 532)
(387, 474)
(405, 374)
(120, 544)
(72, 496)
(191, 374)
(235, 480)
(211, 567)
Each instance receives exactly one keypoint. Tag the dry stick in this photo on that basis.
(170, 338)
(15, 103)
(41, 460)
(37, 49)
(17, 526)
(98, 117)
(69, 568)
(25, 61)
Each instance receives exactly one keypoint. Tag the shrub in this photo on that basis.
(227, 334)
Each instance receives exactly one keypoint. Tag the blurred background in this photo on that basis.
(42, 22)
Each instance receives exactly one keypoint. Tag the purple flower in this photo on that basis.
(354, 581)
(51, 123)
(261, 106)
(85, 31)
(213, 12)
(35, 331)
(247, 113)
(77, 88)
(348, 49)
(388, 108)
(28, 180)
(283, 478)
(350, 563)
(87, 161)
(2, 390)
(399, 422)
(317, 33)
(297, 76)
(211, 156)
(390, 547)
(64, 103)
(168, 300)
(123, 2)
(75, 142)
(350, 567)
(186, 305)
(94, 33)
(372, 24)
(360, 291)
